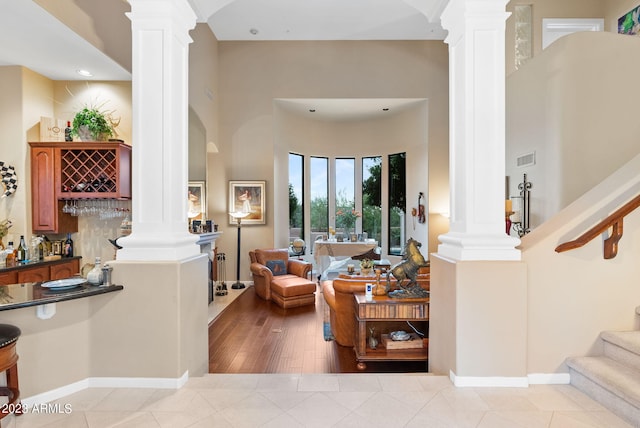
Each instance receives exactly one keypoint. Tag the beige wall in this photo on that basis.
(154, 328)
(478, 318)
(252, 75)
(569, 105)
(573, 296)
(547, 9)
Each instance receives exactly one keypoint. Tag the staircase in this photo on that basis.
(614, 378)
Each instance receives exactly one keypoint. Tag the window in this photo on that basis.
(345, 202)
(372, 197)
(319, 194)
(348, 185)
(296, 199)
(397, 202)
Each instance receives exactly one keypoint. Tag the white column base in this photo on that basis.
(158, 247)
(463, 246)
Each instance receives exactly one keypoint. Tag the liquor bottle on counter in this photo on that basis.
(68, 247)
(11, 256)
(41, 248)
(22, 251)
(67, 132)
(94, 277)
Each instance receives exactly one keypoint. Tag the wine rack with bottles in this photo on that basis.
(68, 170)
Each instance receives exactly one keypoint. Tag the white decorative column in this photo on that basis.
(477, 132)
(478, 309)
(160, 37)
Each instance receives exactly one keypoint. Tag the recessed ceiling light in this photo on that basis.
(385, 109)
(85, 73)
(253, 31)
(312, 110)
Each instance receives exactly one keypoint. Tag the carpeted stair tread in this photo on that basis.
(616, 378)
(629, 340)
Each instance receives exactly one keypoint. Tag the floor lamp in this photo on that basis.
(238, 216)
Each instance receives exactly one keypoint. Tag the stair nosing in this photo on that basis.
(602, 364)
(622, 340)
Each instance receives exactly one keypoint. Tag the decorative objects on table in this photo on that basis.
(379, 289)
(373, 342)
(520, 206)
(238, 216)
(92, 124)
(347, 219)
(408, 269)
(366, 265)
(9, 179)
(298, 247)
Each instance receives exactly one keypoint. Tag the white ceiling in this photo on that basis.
(322, 19)
(32, 37)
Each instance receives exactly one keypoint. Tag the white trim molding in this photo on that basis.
(549, 378)
(106, 382)
(488, 381)
(554, 28)
(510, 382)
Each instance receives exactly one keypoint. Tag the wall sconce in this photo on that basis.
(520, 209)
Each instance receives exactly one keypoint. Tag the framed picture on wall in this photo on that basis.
(197, 196)
(629, 23)
(247, 196)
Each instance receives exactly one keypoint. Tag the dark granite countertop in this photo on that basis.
(18, 266)
(28, 294)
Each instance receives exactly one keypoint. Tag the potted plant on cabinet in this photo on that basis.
(90, 124)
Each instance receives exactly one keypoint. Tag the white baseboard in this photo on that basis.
(106, 382)
(511, 382)
(488, 381)
(549, 378)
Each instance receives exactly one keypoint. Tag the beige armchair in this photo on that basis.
(280, 279)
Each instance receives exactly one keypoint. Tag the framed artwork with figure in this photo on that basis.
(247, 196)
(197, 201)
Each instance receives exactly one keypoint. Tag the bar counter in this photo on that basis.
(28, 294)
(31, 264)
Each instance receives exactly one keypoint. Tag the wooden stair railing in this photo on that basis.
(613, 221)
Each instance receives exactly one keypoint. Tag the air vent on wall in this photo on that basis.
(526, 160)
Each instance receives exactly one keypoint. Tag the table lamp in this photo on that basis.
(238, 216)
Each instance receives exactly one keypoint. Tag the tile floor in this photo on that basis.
(324, 400)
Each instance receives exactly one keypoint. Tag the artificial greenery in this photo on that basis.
(366, 264)
(95, 121)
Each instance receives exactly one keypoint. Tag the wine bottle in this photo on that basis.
(68, 247)
(67, 132)
(22, 250)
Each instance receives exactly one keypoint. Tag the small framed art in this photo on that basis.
(247, 196)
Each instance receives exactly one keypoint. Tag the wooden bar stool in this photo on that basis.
(9, 364)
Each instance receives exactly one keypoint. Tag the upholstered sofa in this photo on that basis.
(338, 293)
(280, 279)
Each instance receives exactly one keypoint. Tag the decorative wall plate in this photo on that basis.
(9, 179)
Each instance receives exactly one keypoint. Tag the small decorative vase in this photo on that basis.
(373, 342)
(84, 133)
(365, 271)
